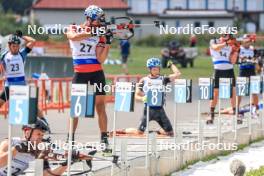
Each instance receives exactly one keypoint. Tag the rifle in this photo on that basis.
(53, 154)
(123, 27)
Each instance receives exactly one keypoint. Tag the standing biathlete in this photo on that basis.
(13, 62)
(157, 114)
(224, 56)
(247, 66)
(88, 53)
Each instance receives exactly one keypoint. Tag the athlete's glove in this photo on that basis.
(74, 158)
(169, 63)
(24, 147)
(109, 37)
(19, 33)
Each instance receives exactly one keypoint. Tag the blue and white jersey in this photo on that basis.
(144, 86)
(146, 82)
(19, 163)
(14, 66)
(249, 54)
(221, 59)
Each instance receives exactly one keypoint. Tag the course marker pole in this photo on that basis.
(219, 121)
(175, 129)
(154, 154)
(205, 93)
(200, 129)
(70, 148)
(155, 98)
(250, 116)
(123, 157)
(255, 88)
(22, 111)
(124, 102)
(147, 138)
(114, 142)
(39, 167)
(235, 120)
(262, 93)
(225, 92)
(9, 171)
(262, 113)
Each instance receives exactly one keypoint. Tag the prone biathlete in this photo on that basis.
(23, 153)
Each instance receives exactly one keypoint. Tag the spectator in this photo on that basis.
(125, 51)
(193, 40)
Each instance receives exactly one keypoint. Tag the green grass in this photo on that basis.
(139, 55)
(256, 172)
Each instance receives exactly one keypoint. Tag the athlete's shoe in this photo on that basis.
(254, 115)
(239, 121)
(107, 150)
(210, 122)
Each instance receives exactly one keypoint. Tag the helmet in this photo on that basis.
(249, 37)
(174, 45)
(226, 33)
(153, 62)
(14, 39)
(39, 124)
(93, 12)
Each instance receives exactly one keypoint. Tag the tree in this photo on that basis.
(17, 6)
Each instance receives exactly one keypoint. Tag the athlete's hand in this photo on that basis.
(19, 33)
(75, 158)
(109, 37)
(169, 63)
(144, 99)
(23, 147)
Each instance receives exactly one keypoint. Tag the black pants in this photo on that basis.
(247, 72)
(95, 78)
(224, 74)
(158, 115)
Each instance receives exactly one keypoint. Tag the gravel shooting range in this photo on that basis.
(132, 87)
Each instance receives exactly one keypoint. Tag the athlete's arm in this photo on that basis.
(2, 68)
(77, 36)
(102, 50)
(30, 42)
(234, 55)
(176, 73)
(217, 46)
(4, 153)
(58, 171)
(61, 169)
(139, 95)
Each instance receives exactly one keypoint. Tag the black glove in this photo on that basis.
(74, 158)
(109, 37)
(19, 33)
(23, 147)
